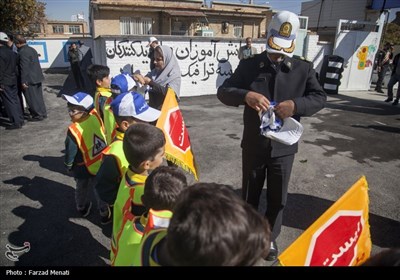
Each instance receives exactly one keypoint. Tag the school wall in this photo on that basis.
(53, 53)
(205, 62)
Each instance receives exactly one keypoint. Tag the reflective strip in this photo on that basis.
(330, 86)
(332, 75)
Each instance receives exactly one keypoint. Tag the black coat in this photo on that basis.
(29, 66)
(295, 80)
(8, 68)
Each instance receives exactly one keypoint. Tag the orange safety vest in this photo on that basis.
(90, 138)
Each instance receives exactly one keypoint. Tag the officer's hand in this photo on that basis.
(257, 101)
(285, 109)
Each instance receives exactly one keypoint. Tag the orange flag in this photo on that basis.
(340, 237)
(177, 149)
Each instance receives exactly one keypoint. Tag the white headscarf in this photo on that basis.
(171, 74)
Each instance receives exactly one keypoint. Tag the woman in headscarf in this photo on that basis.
(166, 73)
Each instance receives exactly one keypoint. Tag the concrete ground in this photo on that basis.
(356, 134)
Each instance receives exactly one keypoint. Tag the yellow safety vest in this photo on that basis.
(144, 256)
(132, 232)
(130, 194)
(90, 138)
(101, 92)
(116, 150)
(109, 121)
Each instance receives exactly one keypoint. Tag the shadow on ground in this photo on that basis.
(53, 226)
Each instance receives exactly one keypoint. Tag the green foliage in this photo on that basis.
(392, 34)
(17, 15)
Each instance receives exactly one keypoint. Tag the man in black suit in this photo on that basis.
(273, 75)
(8, 83)
(31, 79)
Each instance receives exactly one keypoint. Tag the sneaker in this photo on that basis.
(389, 99)
(395, 102)
(86, 211)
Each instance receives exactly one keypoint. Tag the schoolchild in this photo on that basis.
(161, 190)
(128, 108)
(84, 144)
(144, 148)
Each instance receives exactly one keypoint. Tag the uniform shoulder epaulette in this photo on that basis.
(301, 58)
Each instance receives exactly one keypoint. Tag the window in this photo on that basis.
(58, 29)
(179, 28)
(74, 29)
(135, 26)
(237, 29)
(303, 22)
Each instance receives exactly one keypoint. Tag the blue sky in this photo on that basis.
(64, 9)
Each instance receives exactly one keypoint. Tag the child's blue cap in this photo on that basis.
(122, 83)
(133, 104)
(80, 99)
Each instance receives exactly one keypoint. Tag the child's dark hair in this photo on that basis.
(98, 72)
(129, 119)
(213, 226)
(142, 142)
(163, 187)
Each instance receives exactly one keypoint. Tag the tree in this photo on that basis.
(17, 15)
(392, 34)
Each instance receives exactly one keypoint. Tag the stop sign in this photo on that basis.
(335, 243)
(176, 130)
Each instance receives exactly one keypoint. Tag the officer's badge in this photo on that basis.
(261, 64)
(286, 29)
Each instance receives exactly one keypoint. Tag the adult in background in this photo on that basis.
(153, 43)
(166, 73)
(384, 59)
(395, 78)
(273, 75)
(85, 58)
(8, 84)
(31, 79)
(247, 50)
(73, 58)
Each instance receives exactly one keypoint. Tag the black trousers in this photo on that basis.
(76, 73)
(12, 104)
(34, 99)
(381, 76)
(257, 167)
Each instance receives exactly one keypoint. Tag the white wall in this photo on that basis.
(53, 52)
(204, 64)
(315, 50)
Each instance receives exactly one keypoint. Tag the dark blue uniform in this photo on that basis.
(293, 79)
(8, 85)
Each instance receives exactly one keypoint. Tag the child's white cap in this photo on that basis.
(80, 99)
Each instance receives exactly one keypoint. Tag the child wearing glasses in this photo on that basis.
(84, 144)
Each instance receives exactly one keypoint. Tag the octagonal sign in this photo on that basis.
(176, 130)
(335, 243)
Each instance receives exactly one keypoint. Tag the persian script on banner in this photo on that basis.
(178, 148)
(340, 237)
